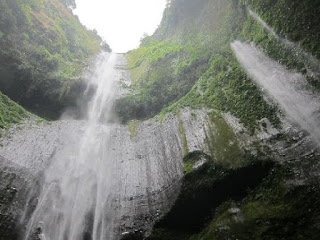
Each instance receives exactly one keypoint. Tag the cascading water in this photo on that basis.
(289, 89)
(312, 62)
(76, 198)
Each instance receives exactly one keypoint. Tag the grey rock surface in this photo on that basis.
(149, 162)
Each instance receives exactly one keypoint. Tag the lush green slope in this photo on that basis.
(201, 61)
(43, 50)
(188, 61)
(162, 72)
(10, 112)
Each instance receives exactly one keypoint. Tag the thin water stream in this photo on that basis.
(290, 90)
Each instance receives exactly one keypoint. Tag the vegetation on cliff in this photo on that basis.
(10, 112)
(202, 62)
(43, 51)
(188, 62)
(301, 27)
(270, 210)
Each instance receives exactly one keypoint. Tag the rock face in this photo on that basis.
(205, 152)
(148, 156)
(208, 186)
(15, 181)
(177, 172)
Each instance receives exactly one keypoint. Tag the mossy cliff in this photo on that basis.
(191, 64)
(188, 62)
(10, 112)
(44, 50)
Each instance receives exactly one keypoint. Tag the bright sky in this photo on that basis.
(121, 23)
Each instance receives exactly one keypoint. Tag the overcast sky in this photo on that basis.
(121, 22)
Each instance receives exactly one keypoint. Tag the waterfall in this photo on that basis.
(288, 89)
(77, 195)
(312, 63)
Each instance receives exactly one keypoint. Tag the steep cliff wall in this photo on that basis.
(219, 141)
(148, 157)
(189, 62)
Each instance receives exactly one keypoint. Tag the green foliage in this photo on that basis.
(294, 19)
(275, 210)
(209, 76)
(226, 87)
(162, 72)
(224, 145)
(286, 54)
(42, 44)
(192, 22)
(158, 70)
(10, 112)
(270, 212)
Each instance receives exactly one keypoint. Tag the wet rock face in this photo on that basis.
(14, 183)
(208, 185)
(148, 159)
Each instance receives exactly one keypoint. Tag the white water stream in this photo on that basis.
(288, 89)
(312, 63)
(76, 199)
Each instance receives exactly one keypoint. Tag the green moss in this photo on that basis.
(224, 144)
(193, 157)
(271, 212)
(162, 116)
(286, 54)
(187, 166)
(10, 112)
(227, 88)
(205, 194)
(183, 136)
(133, 127)
(274, 210)
(196, 71)
(162, 72)
(220, 83)
(294, 19)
